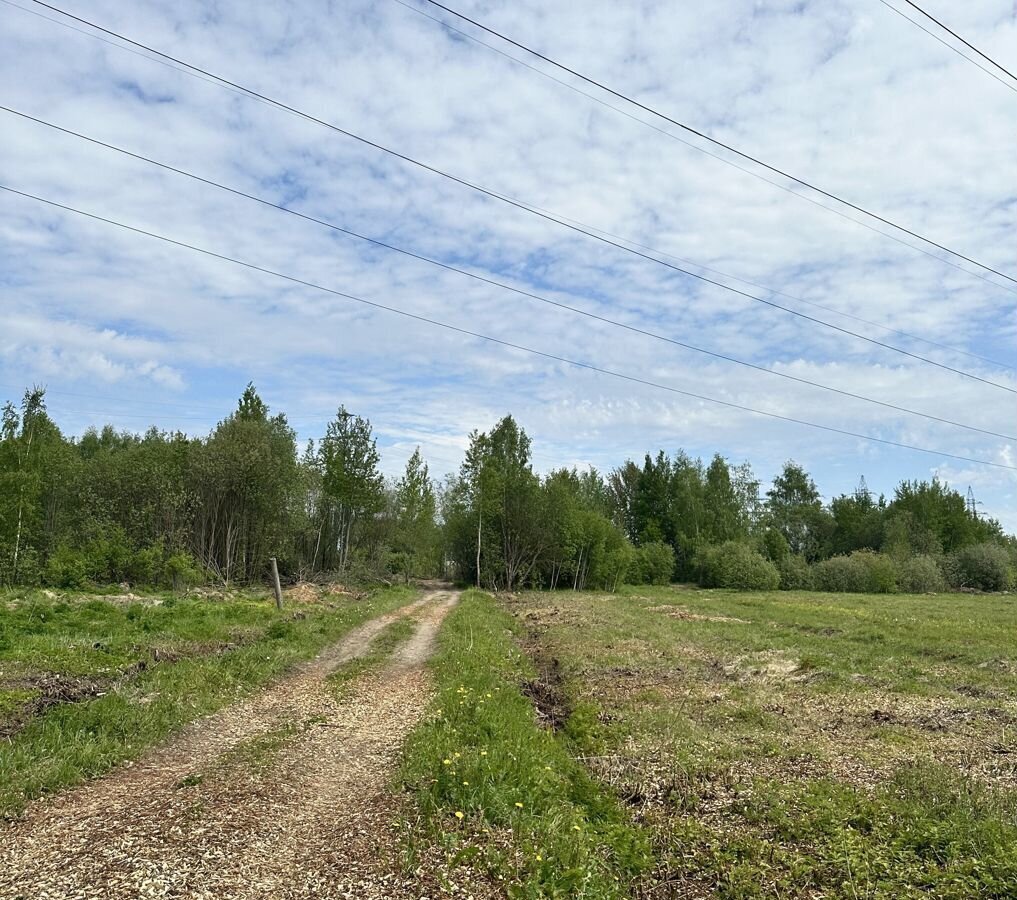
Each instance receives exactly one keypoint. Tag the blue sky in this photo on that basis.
(845, 94)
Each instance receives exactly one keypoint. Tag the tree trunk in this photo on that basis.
(480, 522)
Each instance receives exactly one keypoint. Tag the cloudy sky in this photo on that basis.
(846, 94)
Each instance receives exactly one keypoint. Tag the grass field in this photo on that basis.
(86, 682)
(660, 742)
(703, 743)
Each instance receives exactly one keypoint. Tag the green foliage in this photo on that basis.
(66, 568)
(985, 567)
(112, 560)
(795, 573)
(863, 572)
(351, 485)
(653, 563)
(920, 575)
(858, 522)
(246, 475)
(774, 545)
(736, 566)
(929, 517)
(795, 509)
(684, 504)
(416, 540)
(166, 509)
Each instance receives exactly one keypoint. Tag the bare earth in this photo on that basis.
(284, 795)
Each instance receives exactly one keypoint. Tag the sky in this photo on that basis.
(125, 329)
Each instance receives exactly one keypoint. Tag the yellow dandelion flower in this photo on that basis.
(540, 858)
(466, 783)
(447, 762)
(519, 805)
(576, 828)
(459, 815)
(483, 753)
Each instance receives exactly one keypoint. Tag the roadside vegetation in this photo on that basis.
(87, 683)
(499, 793)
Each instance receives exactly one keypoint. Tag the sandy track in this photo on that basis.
(292, 799)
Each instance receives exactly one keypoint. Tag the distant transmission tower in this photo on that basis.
(972, 503)
(863, 490)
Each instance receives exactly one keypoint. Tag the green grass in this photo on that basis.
(499, 793)
(801, 744)
(213, 653)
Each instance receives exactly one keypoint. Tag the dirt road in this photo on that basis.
(282, 796)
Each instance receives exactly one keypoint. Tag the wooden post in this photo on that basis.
(275, 584)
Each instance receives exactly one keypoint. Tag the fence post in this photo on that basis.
(275, 583)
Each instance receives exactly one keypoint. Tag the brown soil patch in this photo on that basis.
(680, 612)
(302, 592)
(51, 689)
(771, 665)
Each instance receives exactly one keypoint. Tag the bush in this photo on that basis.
(111, 561)
(920, 575)
(795, 574)
(863, 572)
(65, 568)
(985, 567)
(653, 564)
(736, 567)
(181, 571)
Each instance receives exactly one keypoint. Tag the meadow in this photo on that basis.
(681, 742)
(655, 742)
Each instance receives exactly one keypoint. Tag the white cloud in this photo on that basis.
(847, 95)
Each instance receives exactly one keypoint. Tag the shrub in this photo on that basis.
(863, 572)
(985, 567)
(795, 574)
(653, 564)
(615, 564)
(737, 567)
(181, 571)
(920, 575)
(110, 561)
(881, 572)
(65, 568)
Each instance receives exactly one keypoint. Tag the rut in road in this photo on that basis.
(284, 795)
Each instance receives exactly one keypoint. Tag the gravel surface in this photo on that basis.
(285, 795)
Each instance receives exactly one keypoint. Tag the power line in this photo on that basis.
(729, 162)
(588, 231)
(489, 281)
(966, 43)
(914, 337)
(715, 141)
(950, 46)
(502, 342)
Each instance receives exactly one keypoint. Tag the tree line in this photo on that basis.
(165, 508)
